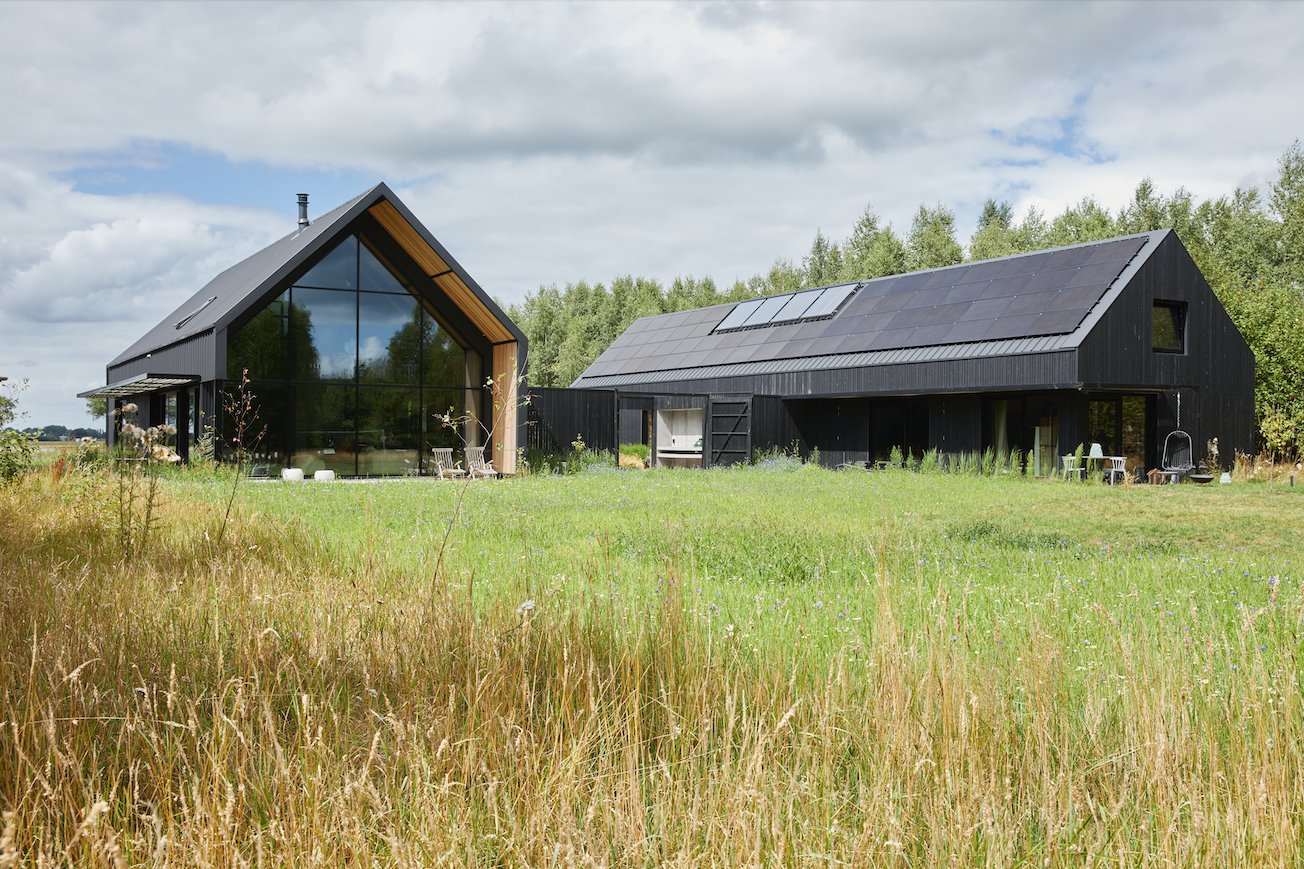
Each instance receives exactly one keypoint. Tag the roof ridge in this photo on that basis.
(324, 216)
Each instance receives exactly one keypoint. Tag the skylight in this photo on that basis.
(788, 308)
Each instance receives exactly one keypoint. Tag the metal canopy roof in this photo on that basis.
(1026, 303)
(140, 384)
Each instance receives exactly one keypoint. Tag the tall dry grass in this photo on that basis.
(263, 703)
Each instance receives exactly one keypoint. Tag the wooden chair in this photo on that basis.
(1074, 467)
(476, 465)
(445, 467)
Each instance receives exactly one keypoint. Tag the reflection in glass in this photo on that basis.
(338, 270)
(170, 418)
(331, 325)
(443, 358)
(1045, 441)
(1134, 430)
(389, 421)
(375, 276)
(325, 436)
(389, 338)
(326, 334)
(263, 344)
(473, 429)
(1167, 327)
(272, 405)
(1102, 422)
(437, 403)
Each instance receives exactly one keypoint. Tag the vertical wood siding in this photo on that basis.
(1215, 374)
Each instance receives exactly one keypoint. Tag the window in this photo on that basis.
(802, 307)
(1169, 327)
(352, 372)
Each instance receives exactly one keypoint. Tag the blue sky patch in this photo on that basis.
(165, 167)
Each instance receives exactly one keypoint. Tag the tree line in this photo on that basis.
(1250, 250)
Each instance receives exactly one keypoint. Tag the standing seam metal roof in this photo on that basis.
(1038, 302)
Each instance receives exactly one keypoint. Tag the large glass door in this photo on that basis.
(1121, 424)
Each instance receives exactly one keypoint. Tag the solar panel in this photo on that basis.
(829, 301)
(787, 308)
(769, 307)
(796, 307)
(1046, 293)
(739, 314)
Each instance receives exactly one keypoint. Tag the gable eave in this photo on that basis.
(447, 273)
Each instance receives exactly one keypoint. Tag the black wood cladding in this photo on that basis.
(557, 417)
(1213, 379)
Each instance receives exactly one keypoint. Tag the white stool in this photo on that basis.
(324, 476)
(292, 475)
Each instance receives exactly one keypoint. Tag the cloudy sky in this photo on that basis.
(144, 148)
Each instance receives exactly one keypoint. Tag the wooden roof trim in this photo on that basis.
(462, 296)
(439, 271)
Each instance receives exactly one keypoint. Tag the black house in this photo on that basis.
(359, 333)
(1115, 342)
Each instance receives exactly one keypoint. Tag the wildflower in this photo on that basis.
(525, 607)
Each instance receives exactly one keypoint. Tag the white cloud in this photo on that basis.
(83, 276)
(548, 143)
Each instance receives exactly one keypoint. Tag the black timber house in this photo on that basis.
(1116, 342)
(359, 332)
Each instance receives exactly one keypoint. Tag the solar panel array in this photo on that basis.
(1045, 293)
(802, 307)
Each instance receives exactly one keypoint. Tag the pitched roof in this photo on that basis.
(224, 293)
(1034, 302)
(226, 296)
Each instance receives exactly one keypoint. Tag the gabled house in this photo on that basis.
(359, 332)
(1114, 342)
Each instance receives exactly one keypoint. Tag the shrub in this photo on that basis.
(17, 450)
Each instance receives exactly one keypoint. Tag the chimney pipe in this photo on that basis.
(303, 210)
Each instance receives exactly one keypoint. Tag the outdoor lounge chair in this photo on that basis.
(445, 467)
(1177, 457)
(476, 466)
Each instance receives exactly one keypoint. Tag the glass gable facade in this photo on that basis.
(351, 371)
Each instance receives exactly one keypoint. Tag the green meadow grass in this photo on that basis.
(768, 666)
(771, 561)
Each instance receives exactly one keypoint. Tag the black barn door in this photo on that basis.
(730, 430)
